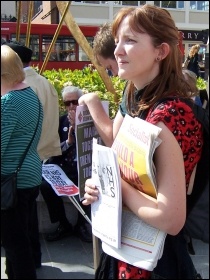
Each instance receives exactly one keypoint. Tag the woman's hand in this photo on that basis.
(91, 192)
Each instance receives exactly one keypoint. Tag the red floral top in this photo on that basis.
(179, 118)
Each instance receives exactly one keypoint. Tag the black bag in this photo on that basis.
(197, 222)
(8, 191)
(107, 268)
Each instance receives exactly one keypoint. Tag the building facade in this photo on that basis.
(191, 17)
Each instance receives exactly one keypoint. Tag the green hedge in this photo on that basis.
(90, 81)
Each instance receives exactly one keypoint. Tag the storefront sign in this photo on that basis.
(191, 35)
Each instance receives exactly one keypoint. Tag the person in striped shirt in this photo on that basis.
(21, 113)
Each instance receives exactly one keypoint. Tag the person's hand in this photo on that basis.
(91, 192)
(71, 117)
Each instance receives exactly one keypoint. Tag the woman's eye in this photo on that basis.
(130, 40)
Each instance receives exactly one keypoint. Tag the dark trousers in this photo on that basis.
(56, 208)
(20, 235)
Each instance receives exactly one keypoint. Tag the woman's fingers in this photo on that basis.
(91, 193)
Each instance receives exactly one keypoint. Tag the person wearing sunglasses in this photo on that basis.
(68, 162)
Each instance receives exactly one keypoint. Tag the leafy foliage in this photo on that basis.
(201, 83)
(89, 81)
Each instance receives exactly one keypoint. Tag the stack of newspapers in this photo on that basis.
(124, 235)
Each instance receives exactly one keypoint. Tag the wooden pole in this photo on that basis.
(82, 41)
(96, 254)
(66, 8)
(19, 6)
(29, 23)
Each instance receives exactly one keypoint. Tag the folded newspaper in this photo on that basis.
(106, 212)
(135, 144)
(141, 244)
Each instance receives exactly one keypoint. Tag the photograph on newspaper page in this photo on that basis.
(58, 180)
(85, 131)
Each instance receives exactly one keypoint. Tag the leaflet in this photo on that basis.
(58, 180)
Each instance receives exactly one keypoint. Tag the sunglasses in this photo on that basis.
(68, 103)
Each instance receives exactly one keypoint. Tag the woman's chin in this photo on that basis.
(122, 74)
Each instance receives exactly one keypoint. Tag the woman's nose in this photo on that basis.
(118, 49)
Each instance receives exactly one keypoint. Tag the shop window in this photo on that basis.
(82, 54)
(63, 49)
(170, 4)
(33, 44)
(92, 2)
(199, 5)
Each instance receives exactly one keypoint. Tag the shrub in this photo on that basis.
(88, 81)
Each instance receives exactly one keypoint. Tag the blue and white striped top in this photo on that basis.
(19, 116)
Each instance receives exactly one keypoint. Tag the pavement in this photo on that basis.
(71, 258)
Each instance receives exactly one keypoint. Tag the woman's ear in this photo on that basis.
(163, 50)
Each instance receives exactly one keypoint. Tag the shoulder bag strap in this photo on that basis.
(26, 151)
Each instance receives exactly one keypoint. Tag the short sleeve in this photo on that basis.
(180, 119)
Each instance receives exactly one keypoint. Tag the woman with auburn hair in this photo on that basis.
(21, 114)
(148, 56)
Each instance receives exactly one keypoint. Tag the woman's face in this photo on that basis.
(135, 55)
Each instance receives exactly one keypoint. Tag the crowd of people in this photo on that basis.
(68, 163)
(54, 144)
(141, 47)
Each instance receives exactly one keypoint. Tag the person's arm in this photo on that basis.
(65, 145)
(168, 211)
(196, 58)
(103, 123)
